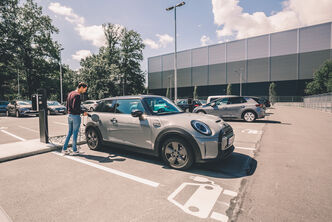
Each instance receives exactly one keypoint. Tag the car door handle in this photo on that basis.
(242, 106)
(114, 121)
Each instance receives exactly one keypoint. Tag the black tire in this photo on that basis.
(249, 116)
(17, 114)
(180, 157)
(93, 139)
(201, 112)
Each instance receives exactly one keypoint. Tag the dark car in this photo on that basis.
(54, 107)
(20, 108)
(3, 106)
(183, 104)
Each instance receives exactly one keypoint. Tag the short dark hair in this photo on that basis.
(82, 84)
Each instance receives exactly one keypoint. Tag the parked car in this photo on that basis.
(3, 106)
(20, 108)
(90, 105)
(213, 98)
(54, 107)
(155, 125)
(183, 104)
(234, 107)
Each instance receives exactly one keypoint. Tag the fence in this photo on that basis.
(321, 102)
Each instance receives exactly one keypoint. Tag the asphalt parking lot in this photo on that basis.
(112, 183)
(116, 185)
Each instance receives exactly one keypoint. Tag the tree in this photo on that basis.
(168, 93)
(272, 93)
(229, 89)
(322, 80)
(27, 48)
(115, 70)
(195, 95)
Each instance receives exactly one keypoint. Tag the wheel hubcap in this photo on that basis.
(176, 154)
(249, 116)
(92, 139)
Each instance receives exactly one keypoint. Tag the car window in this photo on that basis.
(126, 106)
(221, 101)
(236, 100)
(162, 105)
(105, 106)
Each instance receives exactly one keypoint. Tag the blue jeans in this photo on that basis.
(74, 122)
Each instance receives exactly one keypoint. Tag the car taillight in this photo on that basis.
(196, 105)
(259, 105)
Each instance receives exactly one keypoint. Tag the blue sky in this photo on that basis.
(199, 22)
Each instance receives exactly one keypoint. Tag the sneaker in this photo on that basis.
(78, 152)
(65, 152)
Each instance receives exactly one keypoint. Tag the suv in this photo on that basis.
(54, 107)
(20, 108)
(155, 125)
(234, 107)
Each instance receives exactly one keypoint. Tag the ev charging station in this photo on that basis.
(39, 103)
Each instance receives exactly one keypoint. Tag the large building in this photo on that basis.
(288, 58)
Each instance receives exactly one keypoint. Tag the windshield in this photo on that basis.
(53, 103)
(161, 105)
(24, 103)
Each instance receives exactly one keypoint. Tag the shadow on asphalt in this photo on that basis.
(259, 121)
(236, 166)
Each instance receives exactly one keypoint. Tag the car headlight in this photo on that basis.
(201, 127)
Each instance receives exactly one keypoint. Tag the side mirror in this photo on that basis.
(213, 104)
(136, 113)
(94, 117)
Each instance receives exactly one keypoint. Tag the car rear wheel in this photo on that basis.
(92, 139)
(201, 112)
(249, 116)
(177, 153)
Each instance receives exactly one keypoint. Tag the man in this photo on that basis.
(74, 118)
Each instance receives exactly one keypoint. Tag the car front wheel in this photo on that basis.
(92, 139)
(177, 153)
(249, 116)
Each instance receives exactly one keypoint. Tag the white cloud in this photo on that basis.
(205, 40)
(163, 41)
(81, 54)
(68, 12)
(94, 33)
(233, 21)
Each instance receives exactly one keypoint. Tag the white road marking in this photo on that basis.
(113, 171)
(59, 123)
(230, 193)
(219, 217)
(10, 134)
(36, 131)
(244, 148)
(250, 131)
(3, 128)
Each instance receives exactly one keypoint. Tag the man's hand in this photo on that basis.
(85, 114)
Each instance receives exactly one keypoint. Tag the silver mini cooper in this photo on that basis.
(155, 125)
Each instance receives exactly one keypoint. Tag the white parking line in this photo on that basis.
(113, 171)
(28, 129)
(244, 148)
(10, 134)
(59, 123)
(219, 217)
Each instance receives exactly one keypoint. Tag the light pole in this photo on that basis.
(175, 65)
(240, 74)
(61, 99)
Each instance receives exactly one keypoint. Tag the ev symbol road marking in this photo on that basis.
(203, 200)
(250, 131)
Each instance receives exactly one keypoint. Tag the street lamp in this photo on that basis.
(61, 99)
(175, 65)
(240, 74)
